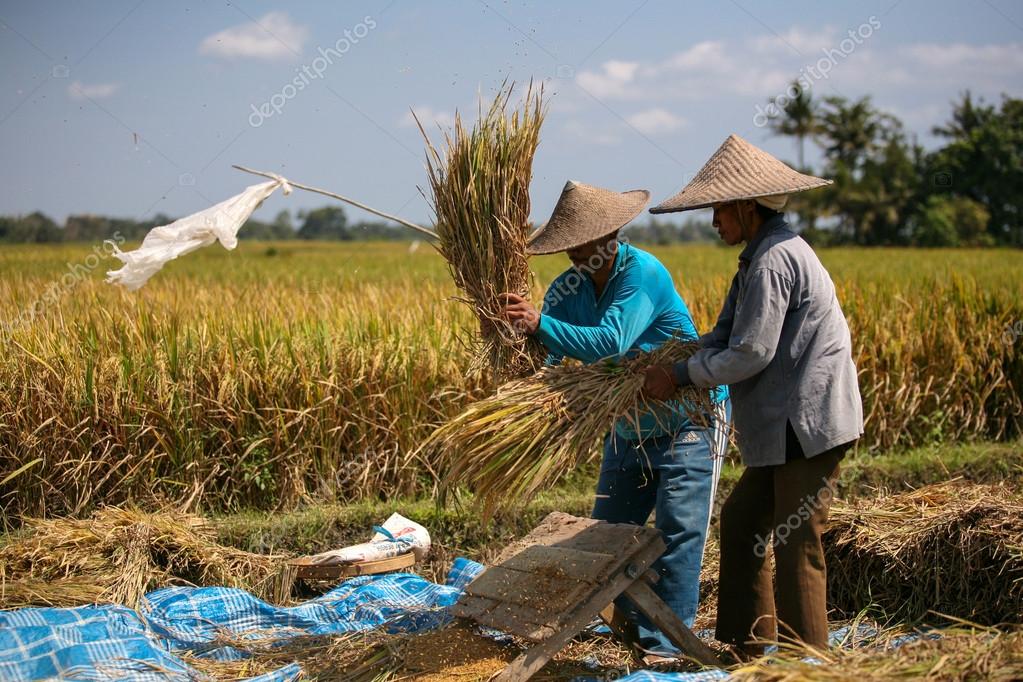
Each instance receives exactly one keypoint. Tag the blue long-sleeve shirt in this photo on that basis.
(638, 310)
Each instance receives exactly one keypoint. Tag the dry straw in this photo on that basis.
(118, 555)
(480, 197)
(532, 431)
(961, 653)
(949, 548)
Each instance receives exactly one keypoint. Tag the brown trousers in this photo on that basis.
(785, 506)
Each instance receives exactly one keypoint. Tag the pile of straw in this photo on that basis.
(507, 447)
(950, 548)
(118, 555)
(480, 198)
(962, 653)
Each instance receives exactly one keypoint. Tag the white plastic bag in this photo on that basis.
(401, 536)
(167, 242)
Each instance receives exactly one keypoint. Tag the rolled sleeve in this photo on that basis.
(756, 329)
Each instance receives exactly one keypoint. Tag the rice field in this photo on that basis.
(287, 372)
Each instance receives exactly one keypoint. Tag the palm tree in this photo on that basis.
(798, 118)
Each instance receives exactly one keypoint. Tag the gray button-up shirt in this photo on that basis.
(782, 345)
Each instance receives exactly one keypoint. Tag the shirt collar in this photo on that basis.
(620, 256)
(770, 225)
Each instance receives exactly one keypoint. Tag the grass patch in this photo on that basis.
(458, 529)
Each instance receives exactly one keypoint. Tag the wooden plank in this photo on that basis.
(554, 527)
(530, 661)
(514, 619)
(305, 568)
(615, 619)
(625, 539)
(549, 592)
(647, 601)
(580, 565)
(472, 607)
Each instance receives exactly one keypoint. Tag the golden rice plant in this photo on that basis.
(266, 378)
(532, 431)
(480, 197)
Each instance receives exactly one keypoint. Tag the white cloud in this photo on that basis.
(656, 120)
(805, 43)
(709, 55)
(79, 91)
(1008, 57)
(611, 81)
(429, 117)
(272, 36)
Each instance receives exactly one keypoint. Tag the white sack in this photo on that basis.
(405, 535)
(167, 242)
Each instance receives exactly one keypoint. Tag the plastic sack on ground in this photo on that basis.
(397, 536)
(166, 242)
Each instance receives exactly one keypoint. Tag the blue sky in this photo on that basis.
(133, 108)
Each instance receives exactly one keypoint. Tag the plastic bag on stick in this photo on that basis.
(166, 242)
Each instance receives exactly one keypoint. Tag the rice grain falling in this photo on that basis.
(480, 198)
(532, 431)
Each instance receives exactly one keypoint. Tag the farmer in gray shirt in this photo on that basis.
(781, 344)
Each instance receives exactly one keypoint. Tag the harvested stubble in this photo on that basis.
(950, 548)
(962, 653)
(480, 198)
(118, 555)
(507, 447)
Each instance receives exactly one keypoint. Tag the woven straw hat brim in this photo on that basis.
(738, 171)
(584, 214)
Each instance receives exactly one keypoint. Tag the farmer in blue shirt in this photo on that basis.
(616, 300)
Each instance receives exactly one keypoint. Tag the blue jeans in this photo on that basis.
(673, 476)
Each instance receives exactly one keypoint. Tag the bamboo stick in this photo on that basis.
(401, 221)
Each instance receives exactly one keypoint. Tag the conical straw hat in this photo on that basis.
(585, 213)
(738, 170)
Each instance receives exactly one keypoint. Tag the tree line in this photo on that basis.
(324, 223)
(887, 191)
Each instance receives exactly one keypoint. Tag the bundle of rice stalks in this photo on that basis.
(953, 654)
(480, 198)
(950, 548)
(532, 431)
(118, 555)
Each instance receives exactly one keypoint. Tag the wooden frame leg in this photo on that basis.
(647, 601)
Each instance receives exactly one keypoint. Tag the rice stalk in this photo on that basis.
(118, 555)
(960, 653)
(523, 438)
(950, 547)
(480, 198)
